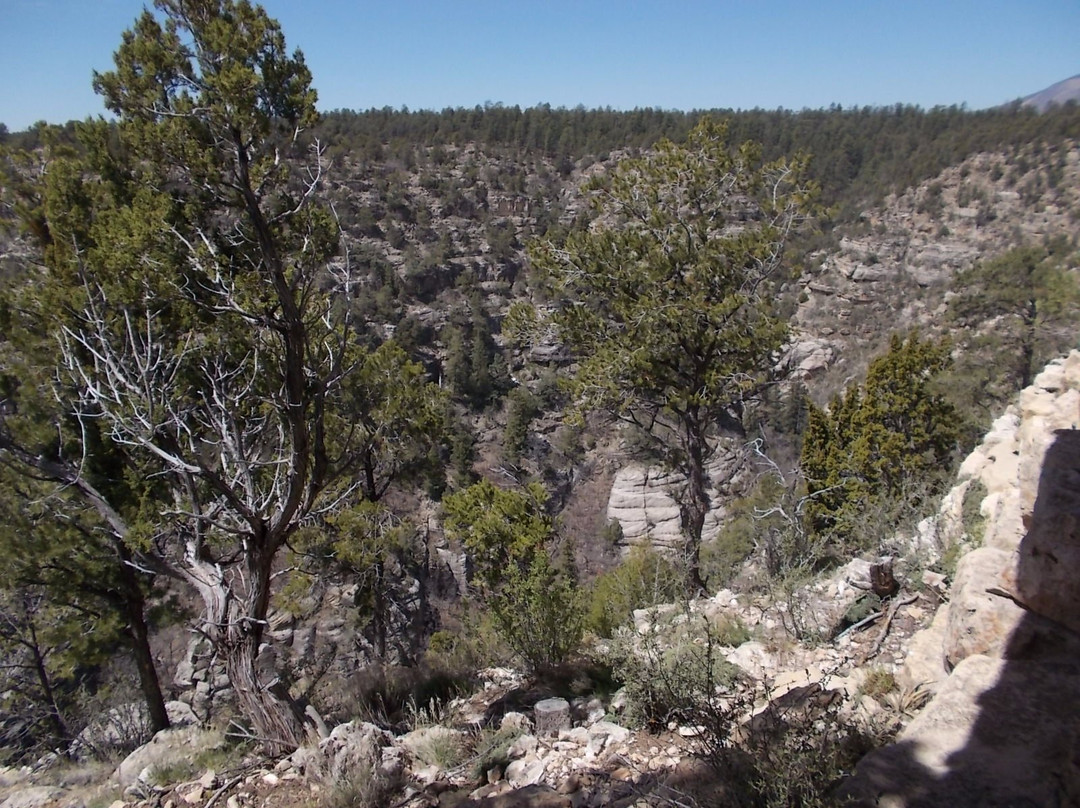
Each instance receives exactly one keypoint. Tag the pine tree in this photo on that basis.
(667, 303)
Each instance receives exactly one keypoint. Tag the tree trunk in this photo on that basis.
(379, 607)
(275, 719)
(234, 625)
(693, 510)
(134, 607)
(60, 730)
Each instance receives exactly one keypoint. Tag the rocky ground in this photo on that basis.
(984, 661)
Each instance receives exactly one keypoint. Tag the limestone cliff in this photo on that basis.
(1003, 654)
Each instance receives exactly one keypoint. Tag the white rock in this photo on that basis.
(33, 797)
(525, 772)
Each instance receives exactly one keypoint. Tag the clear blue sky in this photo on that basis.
(618, 53)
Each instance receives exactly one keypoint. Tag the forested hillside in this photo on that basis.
(310, 416)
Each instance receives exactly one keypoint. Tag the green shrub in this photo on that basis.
(536, 605)
(643, 579)
(522, 407)
(668, 673)
(793, 753)
(721, 557)
(891, 435)
(878, 683)
(729, 630)
(388, 695)
(360, 787)
(445, 749)
(971, 512)
(491, 749)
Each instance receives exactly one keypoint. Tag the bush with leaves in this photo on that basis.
(793, 753)
(645, 578)
(671, 667)
(881, 440)
(508, 537)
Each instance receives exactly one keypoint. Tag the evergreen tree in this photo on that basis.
(879, 437)
(1031, 296)
(192, 288)
(667, 303)
(508, 537)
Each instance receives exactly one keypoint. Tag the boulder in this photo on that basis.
(33, 797)
(1047, 580)
(643, 500)
(807, 357)
(180, 714)
(352, 746)
(606, 733)
(526, 771)
(170, 747)
(998, 733)
(924, 664)
(981, 618)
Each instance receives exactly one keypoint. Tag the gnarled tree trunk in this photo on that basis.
(235, 622)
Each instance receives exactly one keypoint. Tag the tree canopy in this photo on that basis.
(880, 437)
(1030, 295)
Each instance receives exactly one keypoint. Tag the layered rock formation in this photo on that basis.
(644, 501)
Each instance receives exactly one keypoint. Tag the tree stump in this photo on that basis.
(551, 715)
(882, 581)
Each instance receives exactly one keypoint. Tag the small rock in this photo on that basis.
(524, 745)
(935, 581)
(180, 714)
(577, 735)
(525, 772)
(427, 775)
(619, 700)
(514, 720)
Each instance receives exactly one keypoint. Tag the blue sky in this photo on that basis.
(633, 53)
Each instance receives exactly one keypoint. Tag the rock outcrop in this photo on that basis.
(644, 501)
(1004, 653)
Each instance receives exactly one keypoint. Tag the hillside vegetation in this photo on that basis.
(308, 417)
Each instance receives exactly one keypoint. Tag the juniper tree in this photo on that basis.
(879, 438)
(193, 292)
(509, 536)
(1032, 297)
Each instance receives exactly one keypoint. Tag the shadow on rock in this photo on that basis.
(1004, 728)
